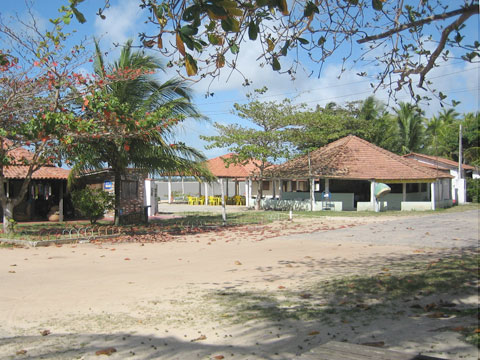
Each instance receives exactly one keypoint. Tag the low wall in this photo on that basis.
(297, 205)
(344, 200)
(416, 205)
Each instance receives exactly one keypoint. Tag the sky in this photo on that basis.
(124, 20)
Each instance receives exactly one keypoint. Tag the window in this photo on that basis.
(129, 190)
(266, 185)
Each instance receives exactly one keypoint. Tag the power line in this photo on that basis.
(331, 87)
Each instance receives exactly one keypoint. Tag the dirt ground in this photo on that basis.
(186, 298)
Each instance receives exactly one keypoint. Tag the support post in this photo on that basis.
(274, 187)
(60, 203)
(404, 192)
(280, 189)
(224, 210)
(169, 190)
(432, 195)
(312, 194)
(206, 193)
(373, 200)
(327, 185)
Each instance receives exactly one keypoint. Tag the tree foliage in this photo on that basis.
(262, 144)
(406, 38)
(137, 117)
(92, 203)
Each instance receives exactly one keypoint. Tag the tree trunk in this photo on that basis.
(8, 222)
(259, 194)
(118, 185)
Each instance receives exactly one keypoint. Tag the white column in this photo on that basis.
(183, 187)
(148, 195)
(224, 210)
(169, 191)
(404, 192)
(226, 181)
(206, 193)
(280, 189)
(274, 189)
(432, 195)
(327, 185)
(312, 194)
(247, 200)
(373, 201)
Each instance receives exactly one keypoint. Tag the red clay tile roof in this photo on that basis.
(219, 169)
(45, 172)
(20, 171)
(352, 158)
(439, 160)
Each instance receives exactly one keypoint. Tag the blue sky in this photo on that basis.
(125, 20)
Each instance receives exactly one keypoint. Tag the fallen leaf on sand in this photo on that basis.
(311, 333)
(12, 272)
(238, 262)
(126, 259)
(458, 328)
(219, 357)
(201, 337)
(21, 352)
(45, 332)
(374, 344)
(305, 296)
(281, 287)
(13, 265)
(108, 351)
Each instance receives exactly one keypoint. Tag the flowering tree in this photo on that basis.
(37, 86)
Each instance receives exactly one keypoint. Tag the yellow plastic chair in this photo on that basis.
(191, 200)
(201, 200)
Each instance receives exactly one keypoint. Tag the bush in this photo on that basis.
(473, 190)
(92, 203)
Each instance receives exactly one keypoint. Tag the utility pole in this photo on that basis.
(460, 152)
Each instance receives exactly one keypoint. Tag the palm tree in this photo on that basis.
(410, 126)
(136, 98)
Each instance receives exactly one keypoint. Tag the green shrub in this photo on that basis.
(473, 190)
(92, 203)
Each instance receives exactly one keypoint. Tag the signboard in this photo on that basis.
(107, 185)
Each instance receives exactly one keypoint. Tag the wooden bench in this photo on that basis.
(334, 350)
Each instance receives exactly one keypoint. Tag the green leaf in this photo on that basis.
(321, 41)
(275, 64)
(377, 5)
(285, 48)
(252, 31)
(191, 13)
(78, 15)
(353, 2)
(190, 65)
(188, 30)
(303, 41)
(310, 9)
(234, 49)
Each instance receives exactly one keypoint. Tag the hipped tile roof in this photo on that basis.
(20, 171)
(352, 158)
(219, 168)
(44, 173)
(438, 160)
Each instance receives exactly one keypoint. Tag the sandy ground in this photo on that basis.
(160, 300)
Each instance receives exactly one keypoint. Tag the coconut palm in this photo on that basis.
(410, 126)
(136, 97)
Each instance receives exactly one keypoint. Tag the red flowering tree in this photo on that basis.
(38, 84)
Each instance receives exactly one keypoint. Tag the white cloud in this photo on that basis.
(123, 21)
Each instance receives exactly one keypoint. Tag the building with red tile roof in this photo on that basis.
(350, 167)
(221, 168)
(46, 191)
(459, 186)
